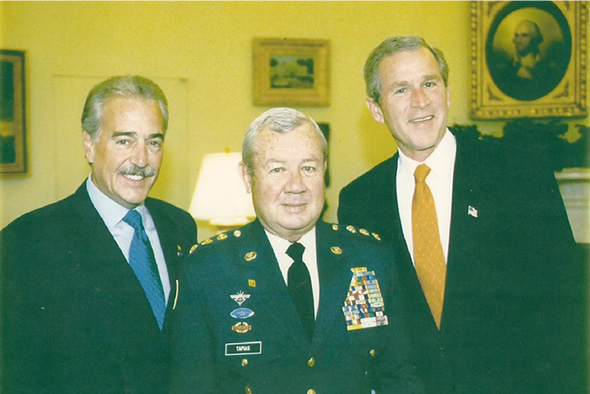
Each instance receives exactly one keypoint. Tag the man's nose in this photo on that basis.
(419, 98)
(140, 154)
(295, 183)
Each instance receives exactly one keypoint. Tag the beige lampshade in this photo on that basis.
(220, 195)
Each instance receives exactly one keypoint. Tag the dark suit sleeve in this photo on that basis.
(558, 275)
(21, 362)
(545, 257)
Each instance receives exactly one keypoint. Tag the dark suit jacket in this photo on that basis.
(513, 311)
(75, 318)
(275, 355)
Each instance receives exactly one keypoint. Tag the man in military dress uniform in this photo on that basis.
(288, 303)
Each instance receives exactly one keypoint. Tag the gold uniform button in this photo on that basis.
(372, 352)
(244, 362)
(311, 391)
(248, 390)
(311, 362)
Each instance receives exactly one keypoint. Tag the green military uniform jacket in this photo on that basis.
(236, 329)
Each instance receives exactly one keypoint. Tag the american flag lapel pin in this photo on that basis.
(471, 211)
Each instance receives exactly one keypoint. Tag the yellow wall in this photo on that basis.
(201, 53)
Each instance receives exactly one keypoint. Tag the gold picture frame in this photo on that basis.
(547, 78)
(291, 72)
(13, 141)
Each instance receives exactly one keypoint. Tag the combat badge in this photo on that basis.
(241, 327)
(363, 307)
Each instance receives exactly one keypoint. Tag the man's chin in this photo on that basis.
(132, 200)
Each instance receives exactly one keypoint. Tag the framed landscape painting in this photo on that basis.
(291, 72)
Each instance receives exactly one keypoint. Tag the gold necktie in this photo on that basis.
(428, 253)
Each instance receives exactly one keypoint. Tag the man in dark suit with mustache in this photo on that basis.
(489, 278)
(86, 281)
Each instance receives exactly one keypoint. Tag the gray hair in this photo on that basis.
(390, 47)
(281, 120)
(132, 86)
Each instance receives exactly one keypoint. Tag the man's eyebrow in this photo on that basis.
(124, 134)
(157, 135)
(134, 134)
(432, 76)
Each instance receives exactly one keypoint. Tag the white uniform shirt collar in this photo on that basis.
(308, 240)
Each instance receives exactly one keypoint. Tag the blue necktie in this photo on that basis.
(299, 283)
(143, 263)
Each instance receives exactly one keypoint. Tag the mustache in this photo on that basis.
(145, 172)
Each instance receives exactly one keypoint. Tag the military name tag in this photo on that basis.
(243, 348)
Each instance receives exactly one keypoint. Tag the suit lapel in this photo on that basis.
(166, 228)
(104, 262)
(271, 292)
(335, 279)
(464, 230)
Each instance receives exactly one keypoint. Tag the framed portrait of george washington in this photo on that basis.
(292, 72)
(528, 59)
(13, 141)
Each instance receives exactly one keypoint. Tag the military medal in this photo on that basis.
(363, 306)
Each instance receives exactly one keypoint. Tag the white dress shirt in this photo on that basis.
(280, 246)
(440, 182)
(112, 214)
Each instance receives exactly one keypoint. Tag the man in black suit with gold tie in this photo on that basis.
(484, 251)
(86, 280)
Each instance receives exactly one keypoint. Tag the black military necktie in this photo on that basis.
(299, 283)
(143, 263)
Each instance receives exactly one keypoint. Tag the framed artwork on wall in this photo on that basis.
(325, 127)
(528, 59)
(13, 142)
(291, 72)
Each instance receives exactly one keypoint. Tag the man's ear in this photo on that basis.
(246, 177)
(88, 146)
(375, 110)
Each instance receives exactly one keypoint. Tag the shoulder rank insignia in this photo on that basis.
(222, 236)
(351, 229)
(336, 250)
(363, 306)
